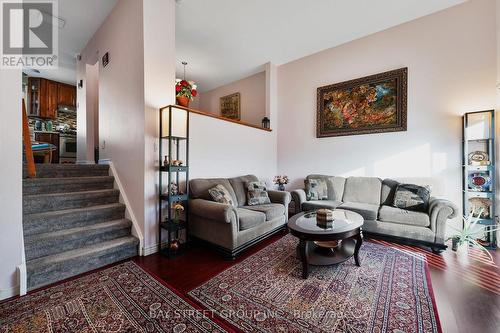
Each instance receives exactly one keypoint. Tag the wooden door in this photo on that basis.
(51, 96)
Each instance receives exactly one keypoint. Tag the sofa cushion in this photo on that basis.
(221, 195)
(272, 211)
(363, 189)
(402, 216)
(334, 184)
(239, 186)
(317, 204)
(199, 188)
(249, 218)
(368, 211)
(412, 197)
(316, 189)
(388, 190)
(257, 194)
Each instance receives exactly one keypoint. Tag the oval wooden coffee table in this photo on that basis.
(321, 246)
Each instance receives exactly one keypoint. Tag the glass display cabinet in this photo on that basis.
(478, 162)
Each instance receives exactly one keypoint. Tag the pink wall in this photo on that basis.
(11, 199)
(131, 89)
(451, 60)
(253, 98)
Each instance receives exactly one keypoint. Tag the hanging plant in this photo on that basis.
(186, 89)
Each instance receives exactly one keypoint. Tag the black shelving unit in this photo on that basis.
(479, 139)
(176, 148)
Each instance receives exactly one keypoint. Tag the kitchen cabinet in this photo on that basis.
(51, 100)
(42, 98)
(35, 91)
(52, 138)
(66, 95)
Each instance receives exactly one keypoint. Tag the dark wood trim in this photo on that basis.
(203, 113)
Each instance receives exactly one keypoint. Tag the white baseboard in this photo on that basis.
(8, 293)
(152, 249)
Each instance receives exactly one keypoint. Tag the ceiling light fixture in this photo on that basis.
(184, 63)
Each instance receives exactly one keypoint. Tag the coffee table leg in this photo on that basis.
(359, 241)
(303, 258)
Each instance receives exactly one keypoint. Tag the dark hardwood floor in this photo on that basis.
(466, 288)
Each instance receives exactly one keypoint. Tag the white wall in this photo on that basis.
(252, 91)
(159, 80)
(136, 82)
(223, 149)
(121, 96)
(451, 60)
(11, 234)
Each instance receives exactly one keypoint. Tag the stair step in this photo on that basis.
(50, 243)
(60, 201)
(71, 218)
(68, 170)
(66, 184)
(50, 269)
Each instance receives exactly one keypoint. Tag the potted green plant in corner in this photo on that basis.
(467, 236)
(184, 92)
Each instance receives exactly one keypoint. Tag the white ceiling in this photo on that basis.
(83, 18)
(226, 40)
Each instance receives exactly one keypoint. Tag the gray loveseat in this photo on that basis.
(373, 198)
(233, 228)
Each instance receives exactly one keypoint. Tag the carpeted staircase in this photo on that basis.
(73, 222)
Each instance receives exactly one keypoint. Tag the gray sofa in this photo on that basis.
(233, 228)
(372, 198)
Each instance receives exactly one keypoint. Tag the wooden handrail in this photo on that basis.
(203, 113)
(27, 144)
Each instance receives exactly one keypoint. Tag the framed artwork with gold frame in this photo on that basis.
(230, 106)
(371, 104)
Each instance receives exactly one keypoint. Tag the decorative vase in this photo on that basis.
(183, 101)
(281, 187)
(454, 244)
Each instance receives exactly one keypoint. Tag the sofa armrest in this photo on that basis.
(281, 197)
(212, 210)
(440, 210)
(299, 197)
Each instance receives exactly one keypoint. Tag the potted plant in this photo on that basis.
(467, 236)
(184, 92)
(281, 181)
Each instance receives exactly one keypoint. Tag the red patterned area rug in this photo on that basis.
(123, 298)
(390, 292)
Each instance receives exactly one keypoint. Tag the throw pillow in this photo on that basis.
(316, 189)
(412, 197)
(257, 193)
(220, 194)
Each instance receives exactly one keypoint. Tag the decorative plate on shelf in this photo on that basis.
(479, 158)
(479, 181)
